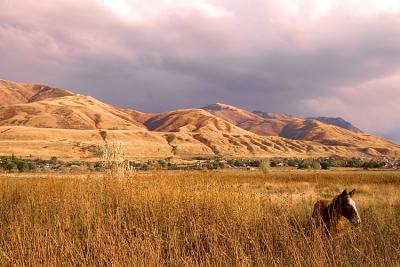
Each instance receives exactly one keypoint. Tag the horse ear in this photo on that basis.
(352, 192)
(344, 192)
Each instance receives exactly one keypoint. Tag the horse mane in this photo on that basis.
(334, 201)
(331, 212)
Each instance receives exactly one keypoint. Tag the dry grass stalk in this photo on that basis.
(188, 218)
(113, 159)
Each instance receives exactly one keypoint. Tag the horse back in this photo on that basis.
(317, 217)
(319, 208)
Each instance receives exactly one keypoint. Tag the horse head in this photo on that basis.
(347, 207)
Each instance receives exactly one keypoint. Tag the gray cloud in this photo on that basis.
(258, 55)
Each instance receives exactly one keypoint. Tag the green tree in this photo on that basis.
(53, 160)
(10, 166)
(31, 166)
(303, 165)
(292, 163)
(21, 165)
(325, 165)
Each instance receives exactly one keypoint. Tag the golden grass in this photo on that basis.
(219, 218)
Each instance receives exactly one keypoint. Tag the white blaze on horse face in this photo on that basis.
(357, 219)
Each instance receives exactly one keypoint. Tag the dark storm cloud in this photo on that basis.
(258, 55)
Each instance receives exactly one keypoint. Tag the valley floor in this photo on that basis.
(186, 218)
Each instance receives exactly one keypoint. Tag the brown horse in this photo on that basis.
(330, 214)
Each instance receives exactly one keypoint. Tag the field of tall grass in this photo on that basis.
(189, 218)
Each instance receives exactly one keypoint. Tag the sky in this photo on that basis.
(301, 57)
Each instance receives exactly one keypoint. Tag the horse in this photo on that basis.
(330, 214)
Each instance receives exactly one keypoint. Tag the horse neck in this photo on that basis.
(333, 212)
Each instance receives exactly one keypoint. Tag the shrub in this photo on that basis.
(265, 166)
(113, 159)
(316, 165)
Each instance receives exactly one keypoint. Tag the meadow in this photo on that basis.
(194, 218)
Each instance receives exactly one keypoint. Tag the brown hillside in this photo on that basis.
(190, 120)
(244, 119)
(272, 115)
(232, 114)
(48, 92)
(79, 144)
(296, 128)
(317, 131)
(45, 121)
(262, 123)
(16, 93)
(20, 93)
(69, 112)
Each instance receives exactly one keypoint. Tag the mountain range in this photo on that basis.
(41, 121)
